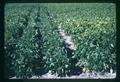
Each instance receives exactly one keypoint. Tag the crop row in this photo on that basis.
(13, 33)
(93, 30)
(55, 57)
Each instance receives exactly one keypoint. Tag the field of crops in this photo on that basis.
(61, 39)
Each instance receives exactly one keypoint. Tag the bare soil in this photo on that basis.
(81, 76)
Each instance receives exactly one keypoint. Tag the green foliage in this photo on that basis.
(33, 46)
(93, 30)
